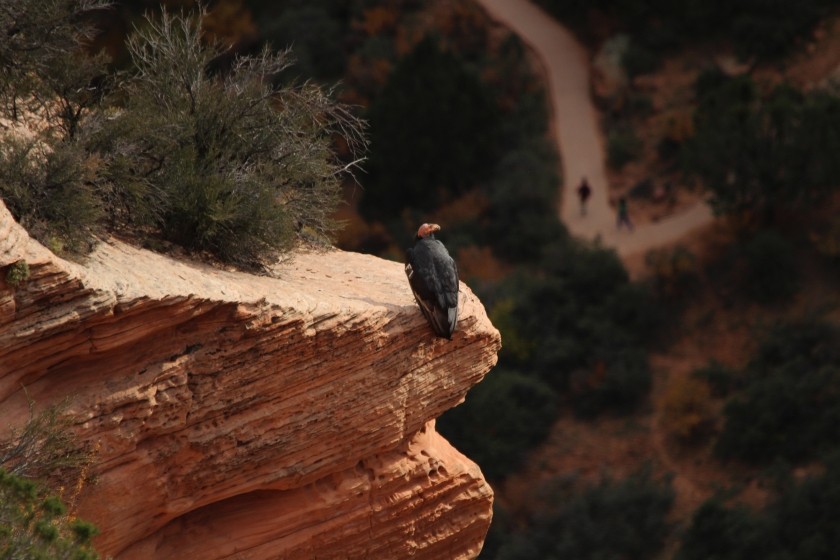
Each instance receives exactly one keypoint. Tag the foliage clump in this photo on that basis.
(576, 334)
(434, 127)
(623, 146)
(37, 460)
(801, 522)
(191, 143)
(687, 413)
(674, 270)
(757, 29)
(763, 156)
(720, 378)
(35, 524)
(16, 273)
(790, 407)
(507, 415)
(233, 164)
(48, 86)
(590, 326)
(770, 273)
(613, 519)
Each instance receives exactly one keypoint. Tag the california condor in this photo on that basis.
(433, 276)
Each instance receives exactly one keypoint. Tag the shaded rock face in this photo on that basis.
(242, 416)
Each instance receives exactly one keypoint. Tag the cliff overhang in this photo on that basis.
(287, 415)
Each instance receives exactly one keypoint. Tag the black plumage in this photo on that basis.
(433, 276)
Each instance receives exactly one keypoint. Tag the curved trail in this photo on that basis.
(578, 134)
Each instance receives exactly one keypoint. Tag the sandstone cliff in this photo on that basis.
(242, 416)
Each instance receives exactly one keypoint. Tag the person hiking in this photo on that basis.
(584, 191)
(623, 218)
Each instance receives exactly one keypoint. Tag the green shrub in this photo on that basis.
(767, 30)
(611, 520)
(35, 525)
(46, 449)
(41, 455)
(522, 195)
(791, 406)
(724, 534)
(502, 418)
(639, 104)
(763, 156)
(313, 28)
(687, 413)
(771, 273)
(639, 59)
(16, 273)
(623, 146)
(50, 189)
(643, 189)
(721, 379)
(806, 515)
(213, 155)
(674, 270)
(233, 164)
(623, 385)
(44, 65)
(800, 523)
(434, 127)
(763, 29)
(583, 327)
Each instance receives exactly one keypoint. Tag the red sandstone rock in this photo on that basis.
(277, 416)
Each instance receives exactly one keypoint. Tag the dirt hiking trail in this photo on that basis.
(578, 135)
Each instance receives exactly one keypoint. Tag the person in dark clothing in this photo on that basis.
(623, 218)
(584, 192)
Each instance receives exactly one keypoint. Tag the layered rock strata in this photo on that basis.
(239, 416)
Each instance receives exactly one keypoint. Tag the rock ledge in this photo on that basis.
(282, 416)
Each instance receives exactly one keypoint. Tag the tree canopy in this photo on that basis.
(434, 132)
(759, 154)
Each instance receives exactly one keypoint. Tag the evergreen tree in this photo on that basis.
(433, 133)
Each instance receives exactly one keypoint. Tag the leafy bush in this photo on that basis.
(800, 523)
(44, 453)
(639, 59)
(34, 524)
(312, 28)
(235, 165)
(623, 146)
(724, 533)
(522, 194)
(639, 104)
(674, 270)
(44, 69)
(433, 129)
(720, 379)
(763, 155)
(16, 273)
(46, 449)
(767, 30)
(762, 29)
(807, 514)
(614, 519)
(687, 413)
(502, 418)
(771, 273)
(624, 383)
(791, 406)
(214, 157)
(586, 327)
(49, 190)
